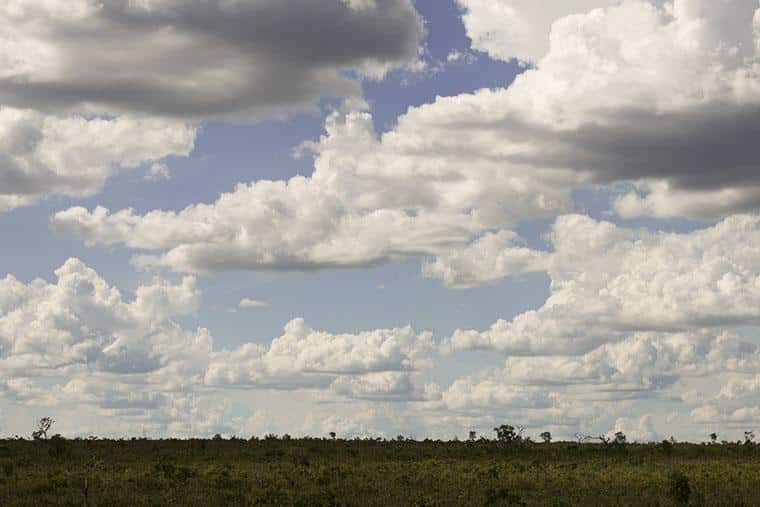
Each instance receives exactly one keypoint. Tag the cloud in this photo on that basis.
(468, 394)
(197, 59)
(608, 281)
(246, 303)
(517, 29)
(490, 258)
(634, 92)
(156, 68)
(638, 430)
(369, 201)
(736, 404)
(74, 156)
(77, 342)
(385, 386)
(158, 172)
(81, 324)
(305, 358)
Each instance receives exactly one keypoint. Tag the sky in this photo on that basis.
(380, 217)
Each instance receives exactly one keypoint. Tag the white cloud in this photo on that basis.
(247, 303)
(385, 386)
(490, 258)
(469, 394)
(74, 156)
(158, 172)
(737, 404)
(81, 321)
(155, 69)
(305, 358)
(638, 430)
(367, 202)
(77, 342)
(607, 281)
(507, 29)
(633, 92)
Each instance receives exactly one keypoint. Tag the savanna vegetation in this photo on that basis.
(506, 470)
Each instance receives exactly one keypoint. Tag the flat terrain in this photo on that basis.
(314, 472)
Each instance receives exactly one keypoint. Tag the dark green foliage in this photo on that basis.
(508, 434)
(679, 488)
(368, 472)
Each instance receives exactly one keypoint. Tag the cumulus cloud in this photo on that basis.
(470, 394)
(386, 386)
(197, 59)
(637, 430)
(635, 92)
(81, 321)
(358, 365)
(519, 29)
(607, 281)
(633, 315)
(491, 257)
(73, 156)
(154, 69)
(368, 201)
(77, 341)
(736, 404)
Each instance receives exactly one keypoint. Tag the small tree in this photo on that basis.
(749, 437)
(43, 426)
(713, 438)
(472, 436)
(332, 435)
(546, 437)
(620, 438)
(508, 434)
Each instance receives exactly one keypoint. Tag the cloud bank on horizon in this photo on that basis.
(655, 104)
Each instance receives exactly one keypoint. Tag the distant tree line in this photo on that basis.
(505, 434)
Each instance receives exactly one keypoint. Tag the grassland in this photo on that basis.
(317, 472)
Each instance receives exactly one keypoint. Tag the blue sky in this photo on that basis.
(523, 183)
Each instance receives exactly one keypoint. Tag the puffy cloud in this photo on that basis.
(74, 156)
(507, 29)
(385, 386)
(305, 358)
(634, 92)
(81, 321)
(492, 257)
(368, 201)
(78, 342)
(736, 403)
(638, 430)
(81, 325)
(155, 68)
(158, 172)
(197, 59)
(469, 394)
(608, 281)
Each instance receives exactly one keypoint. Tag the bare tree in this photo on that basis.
(43, 426)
